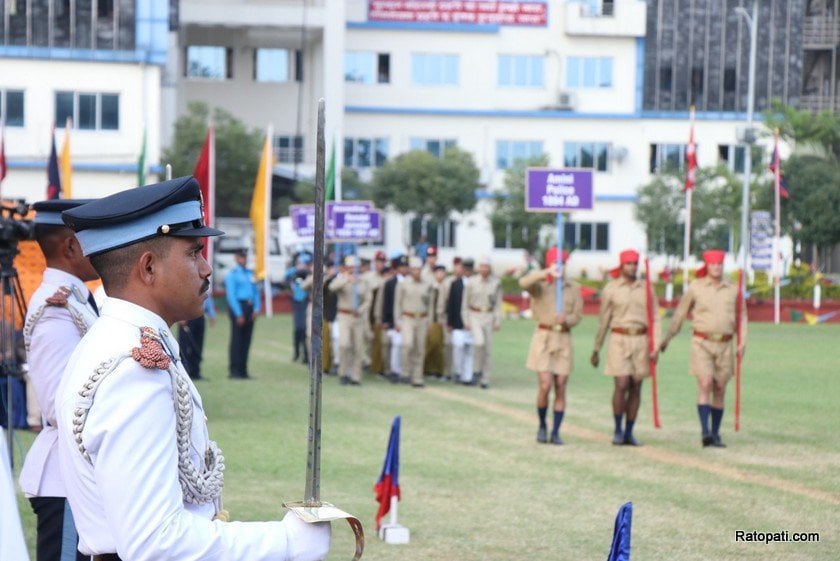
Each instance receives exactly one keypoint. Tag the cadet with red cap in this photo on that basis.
(550, 354)
(624, 314)
(713, 301)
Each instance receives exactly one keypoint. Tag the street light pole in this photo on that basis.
(749, 135)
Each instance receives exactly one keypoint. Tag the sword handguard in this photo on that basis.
(325, 512)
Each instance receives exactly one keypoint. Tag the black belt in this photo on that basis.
(107, 557)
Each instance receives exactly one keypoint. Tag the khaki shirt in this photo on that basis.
(713, 308)
(427, 274)
(624, 305)
(544, 299)
(374, 282)
(481, 296)
(440, 290)
(344, 288)
(412, 297)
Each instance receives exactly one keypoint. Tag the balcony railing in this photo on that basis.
(817, 103)
(820, 31)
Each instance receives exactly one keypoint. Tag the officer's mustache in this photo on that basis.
(205, 287)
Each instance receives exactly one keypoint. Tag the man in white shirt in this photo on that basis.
(142, 475)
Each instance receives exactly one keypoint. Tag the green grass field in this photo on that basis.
(476, 486)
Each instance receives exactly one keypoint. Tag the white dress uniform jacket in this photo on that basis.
(126, 498)
(51, 333)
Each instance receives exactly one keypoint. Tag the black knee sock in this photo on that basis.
(703, 412)
(717, 417)
(618, 419)
(541, 412)
(558, 420)
(628, 430)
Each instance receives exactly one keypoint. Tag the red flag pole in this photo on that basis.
(738, 319)
(651, 342)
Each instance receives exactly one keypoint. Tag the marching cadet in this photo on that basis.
(143, 478)
(412, 305)
(373, 344)
(712, 300)
(550, 353)
(60, 312)
(461, 340)
(428, 272)
(390, 317)
(435, 362)
(482, 314)
(624, 314)
(353, 299)
(381, 329)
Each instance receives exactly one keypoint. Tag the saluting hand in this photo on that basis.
(594, 360)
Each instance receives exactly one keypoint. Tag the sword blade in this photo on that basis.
(312, 492)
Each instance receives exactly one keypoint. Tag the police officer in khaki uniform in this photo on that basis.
(550, 354)
(412, 307)
(624, 314)
(712, 299)
(353, 307)
(374, 279)
(482, 313)
(435, 362)
(428, 273)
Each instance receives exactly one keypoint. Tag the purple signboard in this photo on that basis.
(357, 226)
(303, 220)
(558, 190)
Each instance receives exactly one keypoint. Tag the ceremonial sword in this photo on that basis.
(312, 509)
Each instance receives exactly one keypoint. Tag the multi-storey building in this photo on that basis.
(96, 62)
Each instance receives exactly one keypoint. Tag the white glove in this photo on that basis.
(306, 542)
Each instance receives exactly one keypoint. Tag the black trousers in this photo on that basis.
(57, 538)
(240, 341)
(191, 341)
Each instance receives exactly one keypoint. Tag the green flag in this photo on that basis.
(141, 162)
(329, 194)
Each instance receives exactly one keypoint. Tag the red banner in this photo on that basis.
(459, 11)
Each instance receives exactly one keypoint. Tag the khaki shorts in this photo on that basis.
(712, 358)
(550, 351)
(627, 355)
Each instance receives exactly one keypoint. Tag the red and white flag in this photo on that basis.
(205, 173)
(691, 157)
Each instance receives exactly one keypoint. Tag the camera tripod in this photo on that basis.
(12, 307)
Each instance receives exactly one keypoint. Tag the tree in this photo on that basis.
(509, 214)
(237, 155)
(418, 182)
(715, 211)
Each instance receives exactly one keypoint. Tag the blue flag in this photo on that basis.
(620, 550)
(389, 484)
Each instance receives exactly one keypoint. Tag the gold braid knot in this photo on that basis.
(150, 353)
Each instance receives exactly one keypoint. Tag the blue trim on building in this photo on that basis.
(545, 114)
(151, 41)
(617, 198)
(640, 73)
(127, 167)
(412, 26)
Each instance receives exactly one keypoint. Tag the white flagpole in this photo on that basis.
(691, 156)
(777, 236)
(392, 513)
(269, 311)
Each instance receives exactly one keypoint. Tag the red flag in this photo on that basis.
(691, 157)
(776, 167)
(389, 485)
(53, 176)
(205, 173)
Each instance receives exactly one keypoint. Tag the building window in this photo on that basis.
(732, 156)
(362, 153)
(666, 78)
(697, 80)
(586, 155)
(88, 111)
(508, 237)
(434, 70)
(271, 65)
(288, 149)
(668, 156)
(11, 107)
(509, 151)
(209, 62)
(589, 72)
(587, 236)
(363, 67)
(729, 79)
(439, 233)
(521, 71)
(79, 24)
(434, 146)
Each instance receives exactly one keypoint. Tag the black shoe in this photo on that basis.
(555, 439)
(485, 386)
(630, 440)
(354, 382)
(708, 439)
(420, 385)
(717, 442)
(447, 378)
(395, 378)
(618, 438)
(541, 436)
(344, 381)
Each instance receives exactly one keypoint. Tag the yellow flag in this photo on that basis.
(812, 319)
(66, 165)
(260, 210)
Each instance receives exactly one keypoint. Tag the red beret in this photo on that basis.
(628, 256)
(431, 251)
(713, 256)
(380, 256)
(551, 256)
(456, 261)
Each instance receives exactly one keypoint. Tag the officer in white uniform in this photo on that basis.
(60, 312)
(143, 478)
